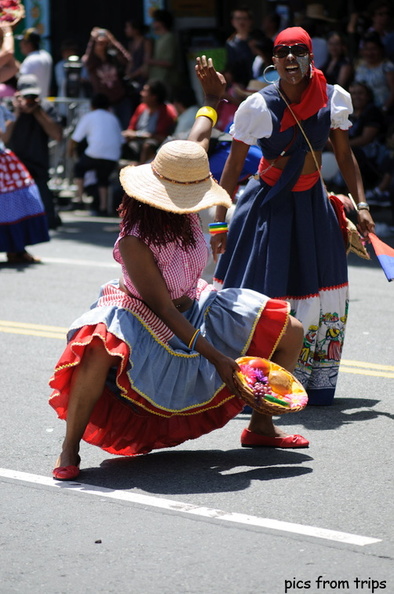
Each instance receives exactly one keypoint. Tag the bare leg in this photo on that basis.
(87, 385)
(285, 355)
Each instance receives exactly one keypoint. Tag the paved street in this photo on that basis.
(206, 517)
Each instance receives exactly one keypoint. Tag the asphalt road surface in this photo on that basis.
(206, 517)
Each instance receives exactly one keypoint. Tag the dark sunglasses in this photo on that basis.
(282, 51)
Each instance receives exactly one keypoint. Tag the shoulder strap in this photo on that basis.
(309, 144)
(302, 130)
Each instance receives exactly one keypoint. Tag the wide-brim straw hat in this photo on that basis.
(178, 180)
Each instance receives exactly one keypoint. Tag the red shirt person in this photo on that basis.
(151, 123)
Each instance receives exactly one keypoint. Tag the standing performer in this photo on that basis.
(284, 238)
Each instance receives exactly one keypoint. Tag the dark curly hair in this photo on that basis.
(156, 227)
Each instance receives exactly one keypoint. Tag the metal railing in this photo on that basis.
(61, 165)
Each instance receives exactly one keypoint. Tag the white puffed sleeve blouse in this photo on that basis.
(253, 119)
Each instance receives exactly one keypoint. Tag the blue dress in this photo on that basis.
(22, 217)
(287, 244)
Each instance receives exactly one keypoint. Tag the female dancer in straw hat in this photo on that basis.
(284, 238)
(151, 364)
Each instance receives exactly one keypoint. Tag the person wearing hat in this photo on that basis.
(37, 61)
(151, 364)
(35, 122)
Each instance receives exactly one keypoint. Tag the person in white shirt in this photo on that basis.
(37, 61)
(102, 132)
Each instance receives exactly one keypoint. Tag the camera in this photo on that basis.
(30, 99)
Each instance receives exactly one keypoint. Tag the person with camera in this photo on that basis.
(36, 122)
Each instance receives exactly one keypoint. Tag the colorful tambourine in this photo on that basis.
(268, 387)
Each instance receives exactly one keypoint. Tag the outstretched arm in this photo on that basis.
(213, 85)
(122, 53)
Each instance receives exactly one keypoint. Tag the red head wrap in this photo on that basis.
(293, 35)
(315, 95)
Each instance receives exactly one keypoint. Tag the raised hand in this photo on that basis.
(212, 82)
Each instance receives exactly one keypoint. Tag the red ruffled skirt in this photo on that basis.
(124, 423)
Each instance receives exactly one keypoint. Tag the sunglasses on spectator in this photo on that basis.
(282, 51)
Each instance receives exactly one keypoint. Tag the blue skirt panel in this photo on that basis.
(282, 243)
(170, 375)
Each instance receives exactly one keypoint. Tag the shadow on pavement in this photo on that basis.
(200, 471)
(342, 412)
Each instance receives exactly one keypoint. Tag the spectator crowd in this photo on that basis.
(140, 95)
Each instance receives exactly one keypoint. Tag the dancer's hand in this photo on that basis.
(365, 223)
(213, 83)
(225, 366)
(218, 245)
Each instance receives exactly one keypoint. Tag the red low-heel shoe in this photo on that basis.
(249, 439)
(66, 473)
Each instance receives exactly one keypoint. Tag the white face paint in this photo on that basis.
(303, 63)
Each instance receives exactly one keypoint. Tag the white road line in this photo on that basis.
(186, 508)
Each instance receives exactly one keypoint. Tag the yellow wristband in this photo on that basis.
(208, 112)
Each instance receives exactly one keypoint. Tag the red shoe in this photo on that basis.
(66, 473)
(249, 439)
